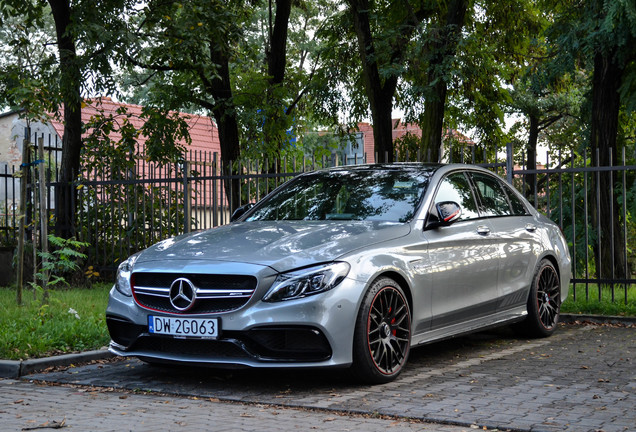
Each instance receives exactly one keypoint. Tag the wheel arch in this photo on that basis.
(554, 262)
(401, 280)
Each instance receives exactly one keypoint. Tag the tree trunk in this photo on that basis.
(277, 50)
(442, 48)
(225, 115)
(610, 262)
(276, 57)
(379, 93)
(383, 128)
(70, 79)
(433, 122)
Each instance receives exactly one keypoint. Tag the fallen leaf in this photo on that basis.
(48, 425)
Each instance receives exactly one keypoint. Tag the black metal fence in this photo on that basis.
(120, 213)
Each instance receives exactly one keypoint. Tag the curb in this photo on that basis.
(596, 319)
(18, 368)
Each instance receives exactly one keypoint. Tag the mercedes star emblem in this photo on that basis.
(182, 294)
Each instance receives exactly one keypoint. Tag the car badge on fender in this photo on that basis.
(182, 294)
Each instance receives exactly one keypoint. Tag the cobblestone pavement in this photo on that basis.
(25, 405)
(581, 379)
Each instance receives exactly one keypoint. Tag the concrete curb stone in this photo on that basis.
(9, 369)
(18, 368)
(597, 319)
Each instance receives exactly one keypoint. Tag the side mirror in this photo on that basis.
(443, 213)
(241, 211)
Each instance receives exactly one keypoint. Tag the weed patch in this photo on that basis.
(73, 320)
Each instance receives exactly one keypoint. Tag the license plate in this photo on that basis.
(184, 327)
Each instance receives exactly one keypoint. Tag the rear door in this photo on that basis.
(514, 232)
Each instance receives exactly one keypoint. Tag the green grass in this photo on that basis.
(605, 306)
(32, 330)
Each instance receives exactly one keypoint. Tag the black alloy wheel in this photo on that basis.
(548, 297)
(544, 302)
(383, 333)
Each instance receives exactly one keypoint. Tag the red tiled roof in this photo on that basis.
(400, 129)
(204, 134)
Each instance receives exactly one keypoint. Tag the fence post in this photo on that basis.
(186, 198)
(44, 217)
(23, 195)
(509, 164)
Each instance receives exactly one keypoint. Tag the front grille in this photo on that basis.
(191, 347)
(265, 344)
(214, 293)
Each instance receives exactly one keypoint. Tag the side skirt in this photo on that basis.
(497, 319)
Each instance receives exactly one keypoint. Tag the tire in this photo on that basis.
(382, 337)
(544, 302)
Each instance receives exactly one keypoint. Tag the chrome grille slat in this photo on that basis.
(149, 290)
(215, 292)
(154, 294)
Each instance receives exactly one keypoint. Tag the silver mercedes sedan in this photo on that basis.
(348, 267)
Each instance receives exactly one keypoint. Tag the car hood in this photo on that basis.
(281, 245)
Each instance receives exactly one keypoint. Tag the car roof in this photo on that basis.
(395, 166)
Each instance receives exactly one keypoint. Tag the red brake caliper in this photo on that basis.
(392, 323)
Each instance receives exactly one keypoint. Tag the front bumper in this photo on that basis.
(262, 345)
(316, 331)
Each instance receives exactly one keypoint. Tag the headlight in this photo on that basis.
(124, 271)
(307, 281)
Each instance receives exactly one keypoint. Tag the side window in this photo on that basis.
(518, 207)
(493, 199)
(455, 187)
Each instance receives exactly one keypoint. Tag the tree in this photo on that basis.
(84, 36)
(464, 65)
(70, 80)
(551, 113)
(421, 56)
(383, 33)
(27, 61)
(447, 31)
(229, 60)
(183, 55)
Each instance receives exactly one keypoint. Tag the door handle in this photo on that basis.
(483, 230)
(531, 227)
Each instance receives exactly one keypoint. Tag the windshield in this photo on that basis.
(370, 194)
